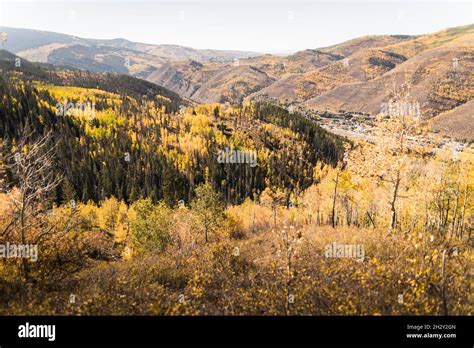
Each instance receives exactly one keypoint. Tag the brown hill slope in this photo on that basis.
(436, 83)
(232, 85)
(213, 82)
(359, 67)
(458, 122)
(449, 38)
(210, 83)
(184, 77)
(369, 58)
(373, 41)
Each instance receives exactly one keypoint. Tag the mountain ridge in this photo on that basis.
(20, 39)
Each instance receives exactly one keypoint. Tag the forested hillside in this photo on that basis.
(135, 143)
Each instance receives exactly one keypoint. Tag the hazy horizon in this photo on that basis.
(278, 27)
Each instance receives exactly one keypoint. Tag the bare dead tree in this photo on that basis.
(398, 149)
(32, 166)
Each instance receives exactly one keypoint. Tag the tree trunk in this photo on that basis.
(393, 211)
(455, 212)
(447, 213)
(371, 220)
(443, 284)
(333, 215)
(24, 261)
(463, 212)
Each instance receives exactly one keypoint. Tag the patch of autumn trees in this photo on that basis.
(131, 150)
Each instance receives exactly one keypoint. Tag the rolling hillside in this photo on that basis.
(170, 149)
(359, 75)
(115, 55)
(458, 122)
(440, 79)
(110, 82)
(360, 67)
(211, 82)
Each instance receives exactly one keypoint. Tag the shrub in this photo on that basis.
(149, 226)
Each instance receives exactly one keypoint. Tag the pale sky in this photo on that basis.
(261, 25)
